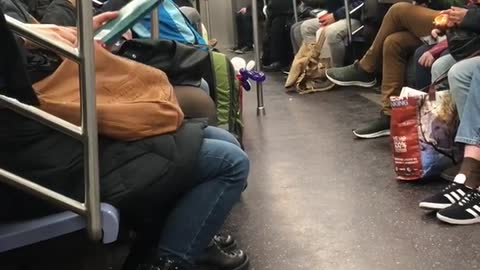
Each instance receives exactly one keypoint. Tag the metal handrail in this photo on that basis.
(295, 10)
(87, 133)
(349, 12)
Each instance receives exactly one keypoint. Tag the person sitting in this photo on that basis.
(307, 10)
(277, 51)
(175, 189)
(398, 37)
(244, 25)
(335, 25)
(459, 202)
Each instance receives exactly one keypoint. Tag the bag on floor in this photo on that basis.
(307, 73)
(423, 128)
(227, 95)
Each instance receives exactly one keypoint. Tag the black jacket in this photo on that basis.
(137, 177)
(472, 20)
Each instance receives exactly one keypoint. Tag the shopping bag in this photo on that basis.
(423, 128)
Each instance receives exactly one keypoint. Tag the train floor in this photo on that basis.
(320, 200)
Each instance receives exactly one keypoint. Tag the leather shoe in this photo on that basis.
(219, 259)
(274, 67)
(225, 242)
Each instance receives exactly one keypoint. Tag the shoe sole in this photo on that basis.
(434, 206)
(457, 221)
(352, 83)
(447, 177)
(378, 134)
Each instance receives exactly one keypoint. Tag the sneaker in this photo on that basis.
(450, 173)
(316, 86)
(375, 129)
(464, 212)
(451, 194)
(352, 75)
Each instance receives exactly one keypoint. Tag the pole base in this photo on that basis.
(261, 111)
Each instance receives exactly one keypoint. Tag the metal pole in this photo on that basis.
(207, 16)
(256, 41)
(349, 23)
(295, 11)
(154, 27)
(89, 118)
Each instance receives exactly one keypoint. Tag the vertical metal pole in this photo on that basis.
(295, 11)
(154, 24)
(89, 118)
(256, 41)
(348, 21)
(209, 21)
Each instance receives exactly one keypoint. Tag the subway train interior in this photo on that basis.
(240, 134)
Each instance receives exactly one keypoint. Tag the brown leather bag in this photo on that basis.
(134, 101)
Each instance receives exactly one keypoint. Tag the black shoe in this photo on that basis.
(450, 173)
(243, 49)
(274, 67)
(375, 129)
(464, 212)
(217, 258)
(225, 242)
(451, 194)
(352, 75)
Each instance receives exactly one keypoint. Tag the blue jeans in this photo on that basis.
(464, 79)
(222, 173)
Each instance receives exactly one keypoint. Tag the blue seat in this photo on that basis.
(18, 234)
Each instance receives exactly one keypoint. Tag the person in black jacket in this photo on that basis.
(174, 189)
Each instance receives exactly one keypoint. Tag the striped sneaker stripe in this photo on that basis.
(461, 192)
(455, 195)
(473, 213)
(477, 208)
(449, 198)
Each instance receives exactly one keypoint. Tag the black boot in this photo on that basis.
(225, 242)
(168, 263)
(220, 259)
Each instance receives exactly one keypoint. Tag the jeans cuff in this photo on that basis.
(469, 141)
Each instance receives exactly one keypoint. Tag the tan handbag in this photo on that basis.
(134, 101)
(307, 73)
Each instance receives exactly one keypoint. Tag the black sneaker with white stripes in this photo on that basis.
(451, 194)
(464, 212)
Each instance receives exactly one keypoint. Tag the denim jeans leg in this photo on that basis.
(469, 129)
(222, 171)
(422, 74)
(460, 78)
(441, 66)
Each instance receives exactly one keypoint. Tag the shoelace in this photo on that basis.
(472, 198)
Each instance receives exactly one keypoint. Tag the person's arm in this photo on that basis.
(339, 14)
(438, 49)
(314, 3)
(472, 20)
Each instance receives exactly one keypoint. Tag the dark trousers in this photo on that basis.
(244, 30)
(423, 75)
(277, 43)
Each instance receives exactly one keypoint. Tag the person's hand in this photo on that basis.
(436, 33)
(103, 18)
(327, 19)
(73, 2)
(62, 34)
(243, 10)
(426, 60)
(456, 15)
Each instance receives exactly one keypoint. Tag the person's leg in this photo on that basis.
(400, 17)
(309, 30)
(423, 75)
(466, 210)
(222, 172)
(280, 49)
(335, 35)
(460, 78)
(441, 66)
(398, 47)
(296, 36)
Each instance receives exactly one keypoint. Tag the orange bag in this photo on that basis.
(133, 100)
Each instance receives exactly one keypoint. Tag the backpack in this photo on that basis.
(227, 95)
